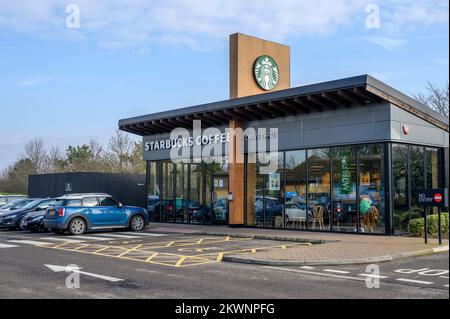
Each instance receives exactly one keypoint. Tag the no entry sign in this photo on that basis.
(432, 198)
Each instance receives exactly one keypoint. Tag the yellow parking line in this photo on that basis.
(151, 257)
(219, 257)
(180, 261)
(82, 246)
(100, 250)
(130, 250)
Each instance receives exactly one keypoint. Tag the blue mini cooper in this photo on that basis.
(77, 213)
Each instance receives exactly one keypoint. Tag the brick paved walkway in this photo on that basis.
(339, 248)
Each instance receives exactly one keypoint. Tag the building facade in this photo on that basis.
(347, 155)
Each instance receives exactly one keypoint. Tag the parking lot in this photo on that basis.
(149, 264)
(161, 249)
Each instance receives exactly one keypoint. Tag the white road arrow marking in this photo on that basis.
(8, 246)
(57, 268)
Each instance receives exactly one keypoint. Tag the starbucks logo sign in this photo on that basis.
(266, 71)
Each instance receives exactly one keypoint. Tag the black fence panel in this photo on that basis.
(129, 189)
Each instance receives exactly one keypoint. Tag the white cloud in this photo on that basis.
(203, 24)
(32, 82)
(387, 43)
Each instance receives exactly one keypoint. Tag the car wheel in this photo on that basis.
(20, 225)
(77, 226)
(137, 223)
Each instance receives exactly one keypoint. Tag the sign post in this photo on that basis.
(433, 198)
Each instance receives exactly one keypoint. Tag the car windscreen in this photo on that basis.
(20, 204)
(32, 204)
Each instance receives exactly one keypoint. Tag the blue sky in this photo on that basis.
(138, 57)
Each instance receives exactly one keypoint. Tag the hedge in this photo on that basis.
(416, 226)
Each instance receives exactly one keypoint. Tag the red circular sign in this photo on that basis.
(438, 198)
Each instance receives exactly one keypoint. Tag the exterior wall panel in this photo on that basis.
(129, 189)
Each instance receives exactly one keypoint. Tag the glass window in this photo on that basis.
(274, 213)
(371, 189)
(432, 166)
(297, 214)
(265, 193)
(417, 160)
(400, 187)
(73, 203)
(90, 202)
(181, 195)
(107, 202)
(319, 188)
(196, 194)
(219, 204)
(167, 191)
(46, 204)
(343, 208)
(255, 193)
(432, 171)
(153, 199)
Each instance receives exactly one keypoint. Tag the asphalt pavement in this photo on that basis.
(158, 265)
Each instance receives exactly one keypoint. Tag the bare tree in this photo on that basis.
(120, 152)
(56, 162)
(36, 153)
(435, 97)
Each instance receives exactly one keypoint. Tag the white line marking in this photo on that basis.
(446, 286)
(56, 268)
(8, 246)
(373, 276)
(445, 277)
(315, 273)
(116, 236)
(70, 241)
(144, 234)
(29, 242)
(93, 238)
(337, 271)
(415, 281)
(307, 267)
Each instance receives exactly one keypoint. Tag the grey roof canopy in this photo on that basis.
(345, 93)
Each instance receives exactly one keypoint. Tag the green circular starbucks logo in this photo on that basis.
(266, 72)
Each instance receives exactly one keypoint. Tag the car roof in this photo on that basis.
(82, 195)
(13, 196)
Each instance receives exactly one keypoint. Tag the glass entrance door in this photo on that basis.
(217, 205)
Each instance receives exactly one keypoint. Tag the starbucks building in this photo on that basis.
(347, 155)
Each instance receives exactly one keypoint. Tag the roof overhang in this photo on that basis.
(345, 93)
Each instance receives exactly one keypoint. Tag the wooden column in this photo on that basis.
(236, 173)
(244, 51)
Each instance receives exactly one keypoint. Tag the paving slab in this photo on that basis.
(327, 248)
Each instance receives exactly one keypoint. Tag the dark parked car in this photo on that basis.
(34, 221)
(14, 205)
(13, 219)
(5, 199)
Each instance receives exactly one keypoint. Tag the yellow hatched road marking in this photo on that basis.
(82, 246)
(180, 261)
(219, 257)
(151, 257)
(130, 250)
(166, 259)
